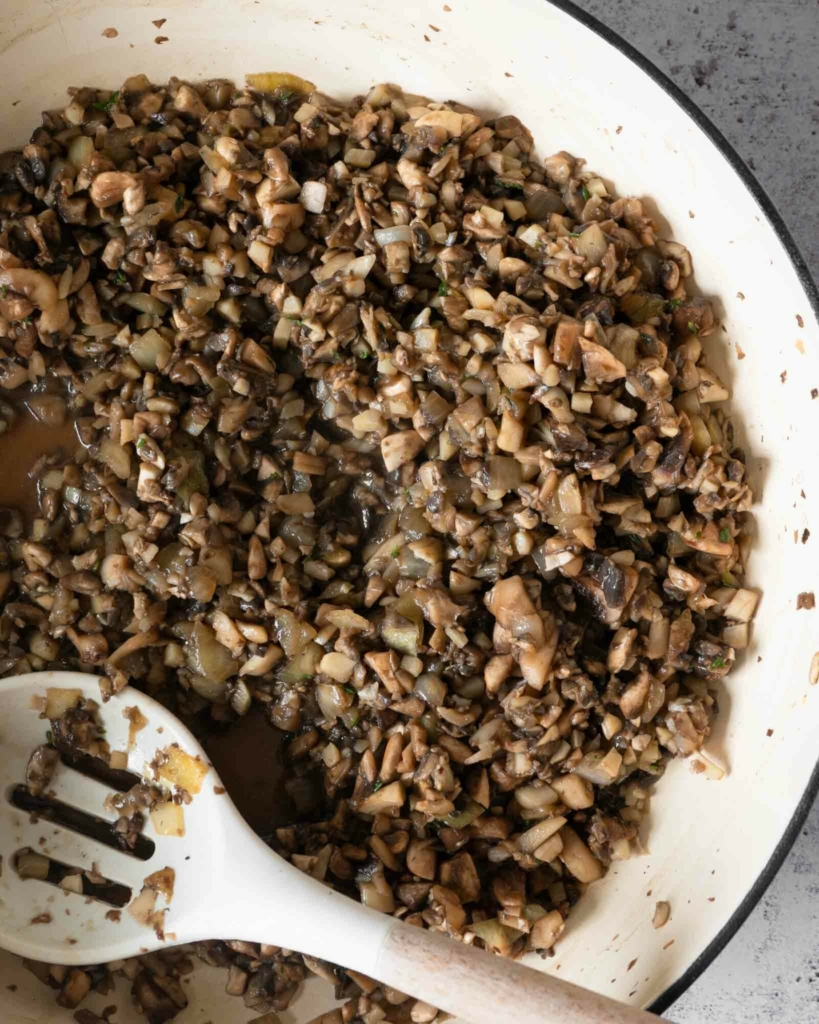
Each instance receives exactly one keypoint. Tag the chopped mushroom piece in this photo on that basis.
(599, 365)
(662, 913)
(578, 858)
(401, 447)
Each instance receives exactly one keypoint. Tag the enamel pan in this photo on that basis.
(712, 847)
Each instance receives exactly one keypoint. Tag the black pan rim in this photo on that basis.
(809, 286)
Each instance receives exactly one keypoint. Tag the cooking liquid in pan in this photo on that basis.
(37, 425)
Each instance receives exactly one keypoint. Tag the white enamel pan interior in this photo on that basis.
(712, 846)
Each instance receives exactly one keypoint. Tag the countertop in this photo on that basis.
(752, 67)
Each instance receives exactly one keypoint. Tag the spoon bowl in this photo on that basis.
(198, 870)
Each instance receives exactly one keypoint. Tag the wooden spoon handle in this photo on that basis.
(485, 989)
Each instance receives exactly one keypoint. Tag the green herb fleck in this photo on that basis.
(285, 95)
(4, 291)
(407, 494)
(142, 442)
(725, 535)
(692, 328)
(49, 736)
(672, 304)
(180, 203)
(443, 289)
(107, 105)
(394, 553)
(377, 786)
(585, 193)
(698, 534)
(364, 354)
(26, 320)
(120, 278)
(574, 234)
(718, 662)
(351, 689)
(728, 580)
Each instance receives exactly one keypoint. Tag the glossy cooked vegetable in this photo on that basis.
(401, 433)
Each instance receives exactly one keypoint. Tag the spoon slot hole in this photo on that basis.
(88, 884)
(58, 813)
(95, 768)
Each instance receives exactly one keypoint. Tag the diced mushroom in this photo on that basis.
(401, 447)
(578, 858)
(599, 365)
(385, 451)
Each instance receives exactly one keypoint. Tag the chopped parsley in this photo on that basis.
(377, 786)
(351, 689)
(725, 535)
(180, 203)
(585, 193)
(26, 320)
(574, 234)
(718, 662)
(395, 552)
(107, 105)
(692, 328)
(4, 291)
(443, 289)
(120, 278)
(364, 354)
(672, 304)
(698, 534)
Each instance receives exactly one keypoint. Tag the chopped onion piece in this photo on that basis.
(399, 233)
(313, 196)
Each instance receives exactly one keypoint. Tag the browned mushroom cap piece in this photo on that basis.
(694, 316)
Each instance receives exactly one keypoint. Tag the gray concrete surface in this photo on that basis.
(752, 66)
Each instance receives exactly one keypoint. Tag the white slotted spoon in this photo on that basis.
(227, 883)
